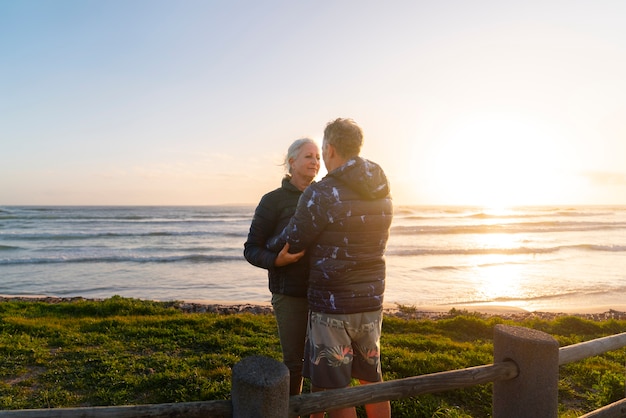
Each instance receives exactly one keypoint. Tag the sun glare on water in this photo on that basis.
(499, 276)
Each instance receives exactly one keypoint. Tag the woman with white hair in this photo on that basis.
(288, 283)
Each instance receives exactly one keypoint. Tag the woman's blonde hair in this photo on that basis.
(294, 150)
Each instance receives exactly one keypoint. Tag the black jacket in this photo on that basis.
(343, 221)
(270, 217)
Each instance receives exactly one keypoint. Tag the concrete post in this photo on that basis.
(260, 388)
(534, 392)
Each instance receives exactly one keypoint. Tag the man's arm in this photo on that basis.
(304, 226)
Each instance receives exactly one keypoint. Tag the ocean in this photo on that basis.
(535, 258)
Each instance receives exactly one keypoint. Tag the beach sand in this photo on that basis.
(597, 313)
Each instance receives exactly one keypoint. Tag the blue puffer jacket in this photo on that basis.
(343, 222)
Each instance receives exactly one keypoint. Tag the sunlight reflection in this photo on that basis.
(498, 241)
(501, 281)
(501, 270)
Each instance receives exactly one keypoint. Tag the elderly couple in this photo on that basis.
(323, 245)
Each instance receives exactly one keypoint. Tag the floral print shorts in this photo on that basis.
(340, 347)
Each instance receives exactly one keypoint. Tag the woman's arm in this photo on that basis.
(262, 227)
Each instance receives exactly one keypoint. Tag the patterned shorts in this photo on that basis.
(343, 346)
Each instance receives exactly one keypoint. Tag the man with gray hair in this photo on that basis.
(343, 222)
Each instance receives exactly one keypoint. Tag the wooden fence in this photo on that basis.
(524, 373)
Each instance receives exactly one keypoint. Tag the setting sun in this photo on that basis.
(497, 160)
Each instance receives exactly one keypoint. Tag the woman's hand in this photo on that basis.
(284, 257)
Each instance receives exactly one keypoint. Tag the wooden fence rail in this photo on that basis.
(524, 373)
(615, 410)
(212, 409)
(401, 388)
(581, 351)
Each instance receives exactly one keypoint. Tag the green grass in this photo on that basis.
(125, 351)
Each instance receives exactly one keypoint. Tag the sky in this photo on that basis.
(152, 102)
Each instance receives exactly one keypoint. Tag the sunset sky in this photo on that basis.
(151, 102)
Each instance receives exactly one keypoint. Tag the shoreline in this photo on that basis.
(595, 313)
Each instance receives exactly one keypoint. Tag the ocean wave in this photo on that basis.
(461, 268)
(114, 235)
(564, 295)
(572, 213)
(595, 247)
(112, 214)
(420, 251)
(99, 222)
(442, 268)
(193, 258)
(410, 252)
(461, 212)
(507, 228)
(8, 247)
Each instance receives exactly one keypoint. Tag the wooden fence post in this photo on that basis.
(534, 392)
(260, 388)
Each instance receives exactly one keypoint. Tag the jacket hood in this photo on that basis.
(364, 177)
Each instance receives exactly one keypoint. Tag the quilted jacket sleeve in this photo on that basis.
(305, 225)
(261, 229)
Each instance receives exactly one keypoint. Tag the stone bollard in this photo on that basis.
(260, 388)
(534, 392)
